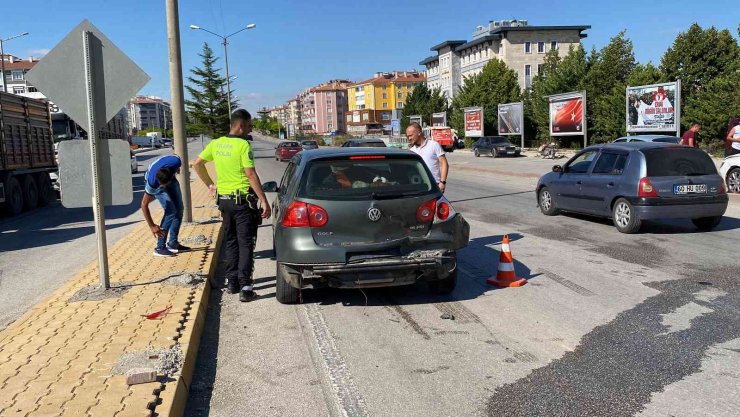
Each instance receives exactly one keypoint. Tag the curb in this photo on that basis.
(172, 403)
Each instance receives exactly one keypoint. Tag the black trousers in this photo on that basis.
(239, 225)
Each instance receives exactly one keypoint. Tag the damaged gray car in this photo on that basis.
(362, 217)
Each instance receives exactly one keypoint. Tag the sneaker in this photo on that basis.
(247, 294)
(177, 248)
(233, 288)
(163, 252)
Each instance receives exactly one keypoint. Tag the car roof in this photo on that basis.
(649, 137)
(630, 146)
(342, 152)
(367, 140)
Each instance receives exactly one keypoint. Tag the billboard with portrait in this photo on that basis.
(653, 108)
(568, 114)
(473, 121)
(510, 118)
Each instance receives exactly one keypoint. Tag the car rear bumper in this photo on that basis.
(680, 208)
(379, 272)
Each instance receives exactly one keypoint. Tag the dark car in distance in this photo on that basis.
(308, 145)
(362, 217)
(632, 182)
(364, 143)
(495, 146)
(286, 150)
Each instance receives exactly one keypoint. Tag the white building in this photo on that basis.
(520, 46)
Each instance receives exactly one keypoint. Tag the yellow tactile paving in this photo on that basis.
(57, 359)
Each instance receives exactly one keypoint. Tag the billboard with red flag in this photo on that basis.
(568, 114)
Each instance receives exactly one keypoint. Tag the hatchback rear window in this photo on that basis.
(290, 145)
(678, 162)
(356, 179)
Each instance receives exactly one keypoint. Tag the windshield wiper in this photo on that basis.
(385, 196)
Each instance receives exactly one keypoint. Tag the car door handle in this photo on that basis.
(579, 183)
(610, 185)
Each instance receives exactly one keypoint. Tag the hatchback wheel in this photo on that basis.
(547, 204)
(444, 285)
(625, 218)
(707, 223)
(493, 153)
(733, 180)
(284, 292)
(476, 152)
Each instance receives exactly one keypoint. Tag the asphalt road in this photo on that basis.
(42, 249)
(608, 324)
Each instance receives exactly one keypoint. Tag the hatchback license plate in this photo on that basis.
(510, 152)
(690, 189)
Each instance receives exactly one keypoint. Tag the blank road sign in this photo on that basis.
(75, 175)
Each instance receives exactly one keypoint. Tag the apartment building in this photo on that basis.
(331, 104)
(520, 46)
(373, 103)
(149, 112)
(14, 80)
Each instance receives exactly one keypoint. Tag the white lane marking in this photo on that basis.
(346, 394)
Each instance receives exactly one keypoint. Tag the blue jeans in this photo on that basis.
(171, 200)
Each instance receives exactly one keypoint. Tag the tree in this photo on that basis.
(698, 56)
(208, 109)
(558, 76)
(605, 86)
(645, 75)
(712, 107)
(423, 101)
(496, 84)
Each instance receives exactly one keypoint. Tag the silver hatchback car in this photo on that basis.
(363, 217)
(632, 182)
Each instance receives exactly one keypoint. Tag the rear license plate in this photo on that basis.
(510, 152)
(690, 189)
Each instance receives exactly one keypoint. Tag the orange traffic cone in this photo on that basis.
(506, 275)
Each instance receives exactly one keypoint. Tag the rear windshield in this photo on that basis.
(678, 162)
(347, 179)
(373, 144)
(290, 145)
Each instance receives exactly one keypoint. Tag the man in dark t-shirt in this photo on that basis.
(689, 137)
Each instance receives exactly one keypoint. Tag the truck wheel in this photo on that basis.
(13, 197)
(46, 191)
(445, 285)
(30, 193)
(284, 292)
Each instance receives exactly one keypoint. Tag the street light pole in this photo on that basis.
(225, 42)
(2, 59)
(178, 105)
(228, 79)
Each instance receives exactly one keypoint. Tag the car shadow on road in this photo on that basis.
(663, 227)
(476, 263)
(204, 376)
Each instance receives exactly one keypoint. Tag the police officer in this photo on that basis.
(238, 190)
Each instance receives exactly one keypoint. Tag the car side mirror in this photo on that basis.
(270, 187)
(557, 168)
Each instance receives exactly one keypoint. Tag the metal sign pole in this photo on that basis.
(677, 108)
(521, 123)
(92, 137)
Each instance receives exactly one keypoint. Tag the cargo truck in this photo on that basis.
(26, 154)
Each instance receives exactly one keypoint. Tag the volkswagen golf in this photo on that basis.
(362, 217)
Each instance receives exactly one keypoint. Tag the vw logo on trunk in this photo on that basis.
(374, 214)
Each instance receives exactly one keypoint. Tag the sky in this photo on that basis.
(299, 44)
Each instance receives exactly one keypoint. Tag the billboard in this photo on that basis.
(653, 108)
(568, 114)
(473, 119)
(510, 118)
(395, 127)
(415, 118)
(439, 119)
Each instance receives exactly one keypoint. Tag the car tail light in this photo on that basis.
(722, 188)
(317, 216)
(425, 212)
(300, 214)
(645, 189)
(443, 210)
(367, 157)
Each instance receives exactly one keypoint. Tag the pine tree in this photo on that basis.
(208, 109)
(496, 84)
(423, 101)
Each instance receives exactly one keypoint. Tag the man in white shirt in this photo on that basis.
(733, 140)
(430, 151)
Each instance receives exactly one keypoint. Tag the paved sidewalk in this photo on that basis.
(58, 358)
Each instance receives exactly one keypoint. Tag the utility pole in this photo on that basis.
(2, 59)
(179, 139)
